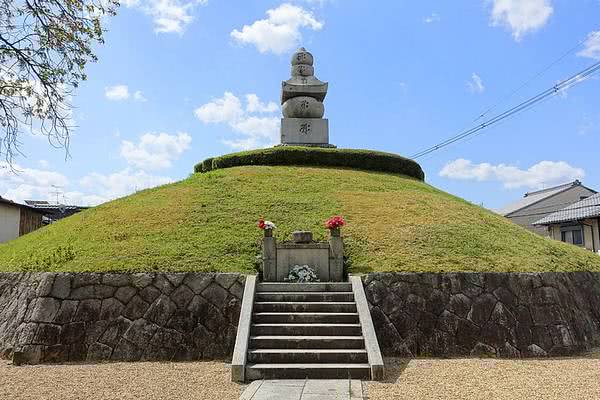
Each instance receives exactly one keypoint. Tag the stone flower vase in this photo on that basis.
(335, 232)
(268, 232)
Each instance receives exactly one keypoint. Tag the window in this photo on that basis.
(578, 237)
(572, 235)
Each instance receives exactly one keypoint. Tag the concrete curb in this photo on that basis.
(368, 330)
(240, 352)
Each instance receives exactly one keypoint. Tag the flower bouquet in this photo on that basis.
(334, 224)
(301, 274)
(266, 226)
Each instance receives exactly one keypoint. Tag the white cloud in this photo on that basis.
(434, 17)
(521, 16)
(139, 96)
(320, 3)
(255, 105)
(538, 176)
(280, 31)
(256, 131)
(591, 47)
(40, 184)
(121, 183)
(117, 92)
(475, 85)
(121, 93)
(155, 151)
(169, 16)
(226, 109)
(590, 124)
(43, 163)
(20, 183)
(30, 176)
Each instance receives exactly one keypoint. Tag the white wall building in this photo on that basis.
(537, 205)
(17, 219)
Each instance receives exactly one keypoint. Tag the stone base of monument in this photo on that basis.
(305, 132)
(325, 258)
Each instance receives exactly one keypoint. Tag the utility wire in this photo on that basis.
(507, 96)
(526, 83)
(561, 86)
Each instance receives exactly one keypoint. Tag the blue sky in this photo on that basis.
(181, 80)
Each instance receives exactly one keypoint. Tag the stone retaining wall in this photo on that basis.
(57, 317)
(496, 314)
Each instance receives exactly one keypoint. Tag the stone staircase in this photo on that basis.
(309, 330)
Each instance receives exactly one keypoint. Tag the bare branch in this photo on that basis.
(44, 48)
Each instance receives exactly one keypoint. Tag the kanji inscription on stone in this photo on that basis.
(305, 128)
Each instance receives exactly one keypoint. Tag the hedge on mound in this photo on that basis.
(368, 160)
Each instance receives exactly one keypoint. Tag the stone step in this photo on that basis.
(304, 296)
(304, 287)
(274, 356)
(311, 371)
(305, 317)
(306, 342)
(306, 329)
(304, 306)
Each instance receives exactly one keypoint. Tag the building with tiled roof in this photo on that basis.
(539, 204)
(578, 223)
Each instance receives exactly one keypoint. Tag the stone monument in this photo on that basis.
(325, 258)
(302, 105)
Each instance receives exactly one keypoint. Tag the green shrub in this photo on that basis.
(205, 165)
(368, 160)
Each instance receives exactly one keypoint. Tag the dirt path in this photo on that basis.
(139, 381)
(465, 379)
(487, 379)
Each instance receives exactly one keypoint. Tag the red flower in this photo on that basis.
(261, 223)
(335, 222)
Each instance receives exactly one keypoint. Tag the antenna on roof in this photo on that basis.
(57, 192)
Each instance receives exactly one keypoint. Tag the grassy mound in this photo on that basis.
(207, 223)
(366, 160)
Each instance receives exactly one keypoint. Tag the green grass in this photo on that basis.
(207, 223)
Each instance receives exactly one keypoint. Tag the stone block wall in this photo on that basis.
(493, 314)
(58, 317)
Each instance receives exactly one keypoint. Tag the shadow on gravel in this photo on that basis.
(394, 367)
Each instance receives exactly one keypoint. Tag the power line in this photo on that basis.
(526, 83)
(507, 96)
(565, 84)
(561, 86)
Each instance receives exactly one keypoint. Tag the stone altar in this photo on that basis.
(302, 105)
(326, 258)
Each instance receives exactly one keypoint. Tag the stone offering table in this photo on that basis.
(326, 258)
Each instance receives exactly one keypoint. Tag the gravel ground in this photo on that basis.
(489, 379)
(465, 379)
(147, 380)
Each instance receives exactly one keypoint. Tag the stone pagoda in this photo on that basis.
(302, 105)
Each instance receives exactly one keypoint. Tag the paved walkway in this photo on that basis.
(300, 389)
